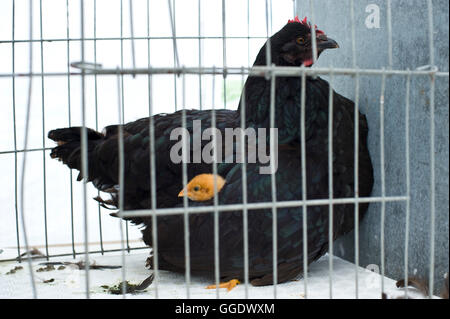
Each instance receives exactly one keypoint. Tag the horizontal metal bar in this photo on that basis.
(135, 38)
(264, 205)
(110, 242)
(78, 253)
(261, 70)
(255, 71)
(26, 150)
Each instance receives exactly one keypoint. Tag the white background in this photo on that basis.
(50, 98)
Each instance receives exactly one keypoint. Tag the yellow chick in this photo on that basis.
(201, 187)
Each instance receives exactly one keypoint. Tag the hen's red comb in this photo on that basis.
(306, 23)
(296, 19)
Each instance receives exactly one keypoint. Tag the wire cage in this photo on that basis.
(95, 63)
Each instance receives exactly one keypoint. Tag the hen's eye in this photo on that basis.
(300, 40)
(196, 188)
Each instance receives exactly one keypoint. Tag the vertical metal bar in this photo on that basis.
(244, 188)
(383, 204)
(16, 209)
(272, 151)
(127, 236)
(133, 51)
(383, 180)
(185, 181)
(176, 60)
(356, 183)
(174, 31)
(184, 168)
(121, 177)
(25, 145)
(389, 29)
(84, 154)
(313, 32)
(96, 118)
(408, 186)
(430, 31)
(356, 146)
(224, 56)
(432, 185)
(200, 48)
(273, 186)
(152, 163)
(43, 132)
(70, 124)
(270, 17)
(432, 148)
(216, 195)
(248, 33)
(123, 98)
(121, 52)
(352, 18)
(330, 181)
(268, 42)
(185, 145)
(304, 189)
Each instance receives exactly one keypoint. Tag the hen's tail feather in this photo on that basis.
(69, 145)
(105, 203)
(72, 134)
(68, 150)
(113, 204)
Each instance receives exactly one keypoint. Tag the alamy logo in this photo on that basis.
(226, 150)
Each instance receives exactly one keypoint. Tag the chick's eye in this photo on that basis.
(196, 188)
(300, 40)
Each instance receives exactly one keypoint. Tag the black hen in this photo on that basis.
(291, 46)
(289, 220)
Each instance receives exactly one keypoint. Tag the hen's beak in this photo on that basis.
(326, 43)
(181, 194)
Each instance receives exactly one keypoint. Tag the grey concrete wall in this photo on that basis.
(410, 50)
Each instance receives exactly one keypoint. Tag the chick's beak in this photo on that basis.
(326, 43)
(181, 194)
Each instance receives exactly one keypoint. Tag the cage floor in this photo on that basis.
(70, 282)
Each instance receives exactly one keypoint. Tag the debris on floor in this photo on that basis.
(79, 265)
(107, 282)
(46, 268)
(48, 280)
(13, 271)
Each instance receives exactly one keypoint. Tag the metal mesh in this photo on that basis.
(84, 70)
